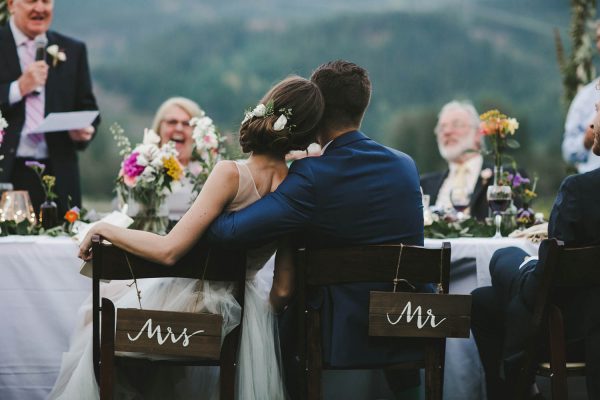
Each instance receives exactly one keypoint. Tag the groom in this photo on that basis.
(357, 192)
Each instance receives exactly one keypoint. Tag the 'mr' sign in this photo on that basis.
(419, 315)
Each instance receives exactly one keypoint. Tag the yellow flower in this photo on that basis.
(174, 169)
(530, 193)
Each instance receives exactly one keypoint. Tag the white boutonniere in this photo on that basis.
(485, 175)
(56, 54)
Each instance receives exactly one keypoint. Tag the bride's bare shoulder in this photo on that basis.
(225, 171)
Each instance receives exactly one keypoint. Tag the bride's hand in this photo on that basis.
(85, 249)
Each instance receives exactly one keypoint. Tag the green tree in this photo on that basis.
(3, 12)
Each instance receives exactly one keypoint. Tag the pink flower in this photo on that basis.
(131, 169)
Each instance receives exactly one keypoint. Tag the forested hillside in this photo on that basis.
(226, 54)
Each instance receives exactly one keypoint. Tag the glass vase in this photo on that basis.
(49, 214)
(151, 215)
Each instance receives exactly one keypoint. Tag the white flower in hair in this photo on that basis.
(259, 111)
(280, 123)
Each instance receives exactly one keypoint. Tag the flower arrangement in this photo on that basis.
(47, 181)
(146, 174)
(523, 191)
(499, 129)
(208, 150)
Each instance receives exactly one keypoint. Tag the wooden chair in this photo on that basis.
(373, 263)
(197, 336)
(562, 268)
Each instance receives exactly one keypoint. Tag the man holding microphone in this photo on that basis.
(30, 89)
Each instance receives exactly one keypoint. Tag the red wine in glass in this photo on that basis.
(499, 205)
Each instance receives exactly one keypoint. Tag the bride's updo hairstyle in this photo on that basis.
(301, 103)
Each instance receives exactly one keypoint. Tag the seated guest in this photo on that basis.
(459, 143)
(500, 313)
(172, 123)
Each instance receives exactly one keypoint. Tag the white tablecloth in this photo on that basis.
(463, 376)
(482, 249)
(40, 292)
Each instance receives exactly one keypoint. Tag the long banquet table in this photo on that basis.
(41, 290)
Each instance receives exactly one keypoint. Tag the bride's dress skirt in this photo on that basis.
(259, 373)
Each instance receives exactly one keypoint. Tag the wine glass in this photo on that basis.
(499, 198)
(460, 197)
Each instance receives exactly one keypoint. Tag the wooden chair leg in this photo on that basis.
(228, 365)
(558, 359)
(314, 356)
(107, 351)
(434, 374)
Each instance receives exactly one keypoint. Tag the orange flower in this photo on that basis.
(71, 216)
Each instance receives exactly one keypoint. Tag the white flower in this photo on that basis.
(486, 174)
(3, 123)
(157, 163)
(259, 111)
(207, 142)
(147, 153)
(52, 50)
(247, 117)
(57, 54)
(512, 125)
(148, 174)
(151, 137)
(280, 123)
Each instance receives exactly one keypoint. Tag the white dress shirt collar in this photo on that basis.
(325, 147)
(18, 35)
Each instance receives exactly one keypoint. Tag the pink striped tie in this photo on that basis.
(34, 105)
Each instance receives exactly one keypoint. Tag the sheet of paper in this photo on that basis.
(57, 122)
(114, 218)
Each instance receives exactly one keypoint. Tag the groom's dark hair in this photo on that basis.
(346, 89)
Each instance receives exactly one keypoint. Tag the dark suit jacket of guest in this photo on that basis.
(357, 192)
(575, 219)
(68, 88)
(432, 182)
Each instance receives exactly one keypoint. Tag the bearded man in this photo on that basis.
(459, 143)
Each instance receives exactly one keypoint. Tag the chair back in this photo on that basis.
(164, 332)
(559, 267)
(384, 263)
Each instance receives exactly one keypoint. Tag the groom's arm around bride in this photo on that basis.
(357, 192)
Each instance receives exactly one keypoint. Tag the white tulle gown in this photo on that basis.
(259, 374)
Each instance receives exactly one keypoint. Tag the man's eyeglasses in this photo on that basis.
(174, 122)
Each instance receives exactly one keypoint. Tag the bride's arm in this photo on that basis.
(283, 276)
(218, 191)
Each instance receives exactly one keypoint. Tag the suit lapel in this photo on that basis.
(8, 48)
(480, 187)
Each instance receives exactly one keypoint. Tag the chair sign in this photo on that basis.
(405, 314)
(169, 333)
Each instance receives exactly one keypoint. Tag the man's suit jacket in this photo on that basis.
(68, 88)
(357, 192)
(432, 182)
(575, 219)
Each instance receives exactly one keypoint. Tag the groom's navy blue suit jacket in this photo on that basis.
(357, 192)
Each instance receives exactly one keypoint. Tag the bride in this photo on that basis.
(284, 120)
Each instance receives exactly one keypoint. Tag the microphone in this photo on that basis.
(40, 42)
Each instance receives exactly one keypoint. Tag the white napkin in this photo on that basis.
(535, 233)
(115, 218)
